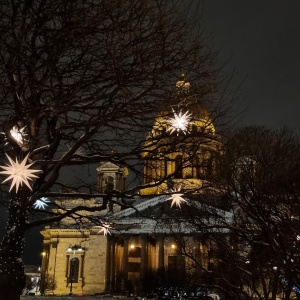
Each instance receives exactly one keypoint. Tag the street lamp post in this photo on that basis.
(43, 272)
(73, 248)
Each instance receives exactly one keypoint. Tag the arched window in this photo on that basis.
(178, 166)
(206, 164)
(74, 270)
(196, 167)
(209, 167)
(109, 183)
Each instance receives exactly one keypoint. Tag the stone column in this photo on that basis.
(67, 268)
(113, 265)
(108, 264)
(197, 255)
(100, 182)
(161, 259)
(125, 258)
(144, 252)
(118, 264)
(81, 270)
(181, 260)
(161, 252)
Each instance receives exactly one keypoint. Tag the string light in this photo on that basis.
(285, 281)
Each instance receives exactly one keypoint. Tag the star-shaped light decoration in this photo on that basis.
(176, 198)
(179, 122)
(41, 203)
(105, 229)
(19, 173)
(18, 134)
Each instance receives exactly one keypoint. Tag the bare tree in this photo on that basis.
(248, 224)
(81, 82)
(49, 283)
(263, 172)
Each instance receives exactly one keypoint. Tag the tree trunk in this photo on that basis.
(12, 277)
(12, 284)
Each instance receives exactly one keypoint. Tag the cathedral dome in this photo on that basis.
(183, 108)
(180, 149)
(198, 118)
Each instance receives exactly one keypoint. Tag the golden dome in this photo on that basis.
(184, 105)
(199, 118)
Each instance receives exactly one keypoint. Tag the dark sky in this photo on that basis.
(262, 40)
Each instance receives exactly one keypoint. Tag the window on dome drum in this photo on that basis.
(204, 169)
(73, 270)
(195, 167)
(178, 166)
(153, 170)
(209, 166)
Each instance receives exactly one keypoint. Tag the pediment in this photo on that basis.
(140, 207)
(148, 216)
(107, 166)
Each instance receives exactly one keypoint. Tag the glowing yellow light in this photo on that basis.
(179, 122)
(18, 134)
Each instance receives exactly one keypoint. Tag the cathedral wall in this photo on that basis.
(94, 276)
(91, 260)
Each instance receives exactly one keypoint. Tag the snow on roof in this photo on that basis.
(123, 223)
(139, 207)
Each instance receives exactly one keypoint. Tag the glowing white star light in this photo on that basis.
(179, 122)
(176, 198)
(105, 229)
(19, 173)
(18, 134)
(41, 203)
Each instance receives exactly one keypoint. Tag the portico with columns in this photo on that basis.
(140, 256)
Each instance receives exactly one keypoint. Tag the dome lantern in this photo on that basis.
(182, 85)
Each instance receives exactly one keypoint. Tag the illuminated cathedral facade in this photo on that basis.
(141, 248)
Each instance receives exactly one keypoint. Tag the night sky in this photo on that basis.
(262, 40)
